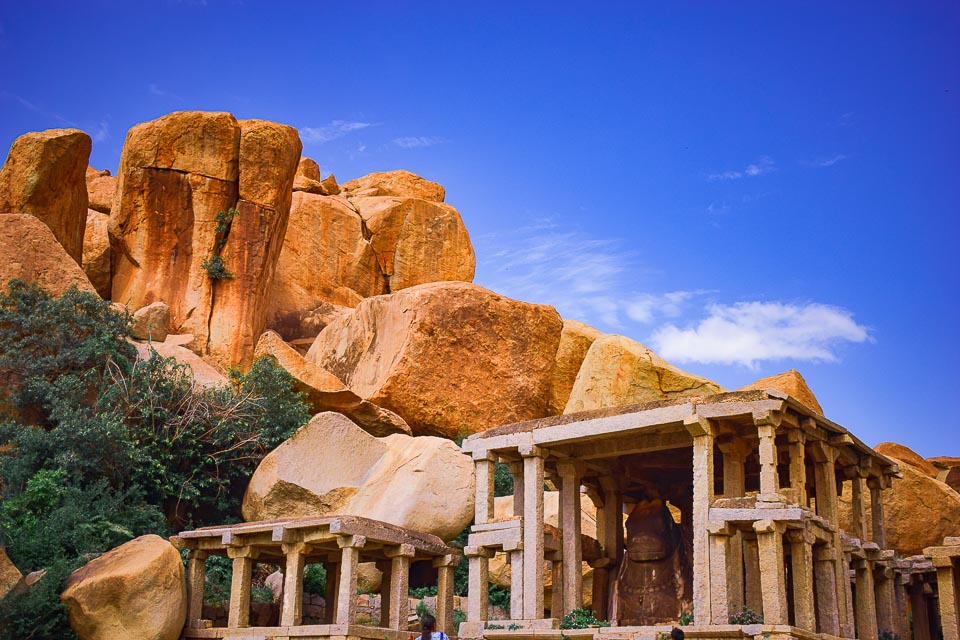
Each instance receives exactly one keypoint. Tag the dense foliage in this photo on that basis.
(98, 447)
(582, 618)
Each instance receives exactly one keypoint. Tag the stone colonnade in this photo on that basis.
(338, 543)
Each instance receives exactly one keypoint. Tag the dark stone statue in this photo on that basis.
(651, 586)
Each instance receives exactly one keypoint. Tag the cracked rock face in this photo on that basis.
(618, 371)
(333, 467)
(29, 251)
(177, 173)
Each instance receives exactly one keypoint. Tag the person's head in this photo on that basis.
(676, 633)
(427, 625)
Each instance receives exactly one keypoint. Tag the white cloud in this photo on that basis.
(584, 278)
(827, 162)
(748, 332)
(156, 90)
(413, 142)
(101, 133)
(763, 165)
(336, 129)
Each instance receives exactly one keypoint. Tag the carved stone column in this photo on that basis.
(516, 470)
(196, 578)
(947, 586)
(702, 433)
(478, 582)
(291, 610)
(753, 591)
(533, 458)
(445, 566)
(570, 475)
(876, 513)
(332, 569)
(720, 569)
(350, 546)
(801, 554)
(239, 611)
(483, 463)
(772, 571)
(921, 615)
(399, 607)
(825, 579)
(766, 424)
(883, 590)
(865, 611)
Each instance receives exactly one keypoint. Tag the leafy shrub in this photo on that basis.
(459, 617)
(423, 592)
(582, 618)
(686, 618)
(746, 616)
(315, 579)
(423, 609)
(502, 480)
(498, 596)
(215, 268)
(37, 612)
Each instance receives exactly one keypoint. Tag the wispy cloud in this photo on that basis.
(336, 129)
(763, 165)
(825, 162)
(30, 106)
(748, 332)
(584, 278)
(102, 132)
(160, 92)
(413, 142)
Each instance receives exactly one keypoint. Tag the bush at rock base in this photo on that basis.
(97, 448)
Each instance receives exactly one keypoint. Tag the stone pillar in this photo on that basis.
(801, 554)
(516, 470)
(798, 466)
(385, 567)
(772, 571)
(825, 580)
(532, 532)
(753, 591)
(900, 607)
(733, 475)
(332, 570)
(291, 610)
(826, 481)
(196, 578)
(570, 475)
(556, 577)
(883, 594)
(858, 512)
(878, 525)
(515, 553)
(848, 617)
(865, 611)
(350, 546)
(720, 569)
(239, 612)
(483, 507)
(769, 480)
(702, 433)
(399, 607)
(445, 566)
(947, 586)
(610, 536)
(478, 582)
(921, 615)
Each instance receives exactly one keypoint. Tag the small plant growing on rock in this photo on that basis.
(686, 618)
(215, 268)
(582, 618)
(746, 616)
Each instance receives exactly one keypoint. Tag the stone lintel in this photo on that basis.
(881, 555)
(471, 551)
(243, 552)
(293, 547)
(769, 526)
(402, 551)
(197, 554)
(449, 560)
(504, 524)
(532, 451)
(941, 562)
(767, 417)
(281, 533)
(484, 455)
(942, 552)
(505, 538)
(623, 424)
(782, 514)
(698, 425)
(801, 535)
(351, 541)
(506, 442)
(733, 409)
(720, 529)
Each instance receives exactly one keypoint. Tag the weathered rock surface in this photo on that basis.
(948, 470)
(134, 591)
(417, 241)
(618, 371)
(918, 509)
(96, 252)
(575, 341)
(192, 166)
(503, 508)
(151, 322)
(308, 179)
(10, 576)
(204, 374)
(394, 183)
(326, 258)
(29, 251)
(400, 351)
(101, 190)
(332, 466)
(791, 383)
(905, 454)
(44, 176)
(325, 392)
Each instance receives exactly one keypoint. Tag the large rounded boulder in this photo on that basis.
(394, 183)
(134, 591)
(45, 176)
(30, 252)
(333, 467)
(618, 371)
(448, 357)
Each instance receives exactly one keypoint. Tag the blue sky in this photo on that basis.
(745, 187)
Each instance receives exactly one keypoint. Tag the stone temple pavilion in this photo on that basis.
(704, 506)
